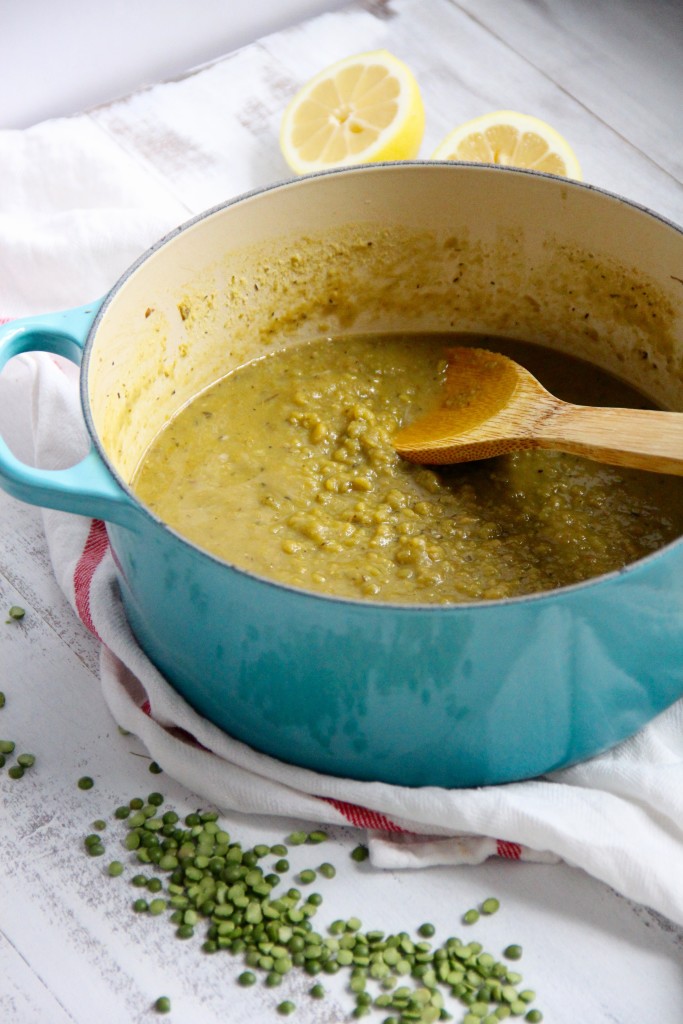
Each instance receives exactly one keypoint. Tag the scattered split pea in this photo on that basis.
(202, 877)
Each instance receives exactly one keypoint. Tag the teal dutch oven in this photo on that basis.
(459, 695)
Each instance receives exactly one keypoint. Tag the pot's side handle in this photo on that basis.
(88, 488)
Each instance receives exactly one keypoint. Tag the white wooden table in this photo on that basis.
(610, 77)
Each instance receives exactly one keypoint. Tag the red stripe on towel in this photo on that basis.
(95, 549)
(362, 817)
(513, 851)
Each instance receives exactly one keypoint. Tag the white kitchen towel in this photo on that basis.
(618, 816)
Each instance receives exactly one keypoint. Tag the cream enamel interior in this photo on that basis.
(423, 247)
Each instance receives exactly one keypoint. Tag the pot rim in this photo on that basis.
(301, 592)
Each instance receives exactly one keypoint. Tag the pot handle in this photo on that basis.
(88, 488)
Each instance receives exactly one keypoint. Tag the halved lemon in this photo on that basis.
(516, 140)
(360, 110)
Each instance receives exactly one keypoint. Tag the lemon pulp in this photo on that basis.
(361, 109)
(511, 139)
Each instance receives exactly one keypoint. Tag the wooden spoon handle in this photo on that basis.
(638, 438)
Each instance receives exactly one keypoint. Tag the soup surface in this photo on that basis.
(286, 468)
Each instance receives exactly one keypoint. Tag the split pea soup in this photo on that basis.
(286, 468)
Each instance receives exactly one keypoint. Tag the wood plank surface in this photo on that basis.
(214, 134)
(71, 950)
(619, 59)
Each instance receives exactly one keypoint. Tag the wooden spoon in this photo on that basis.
(492, 405)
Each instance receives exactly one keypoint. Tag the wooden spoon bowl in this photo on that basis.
(491, 406)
